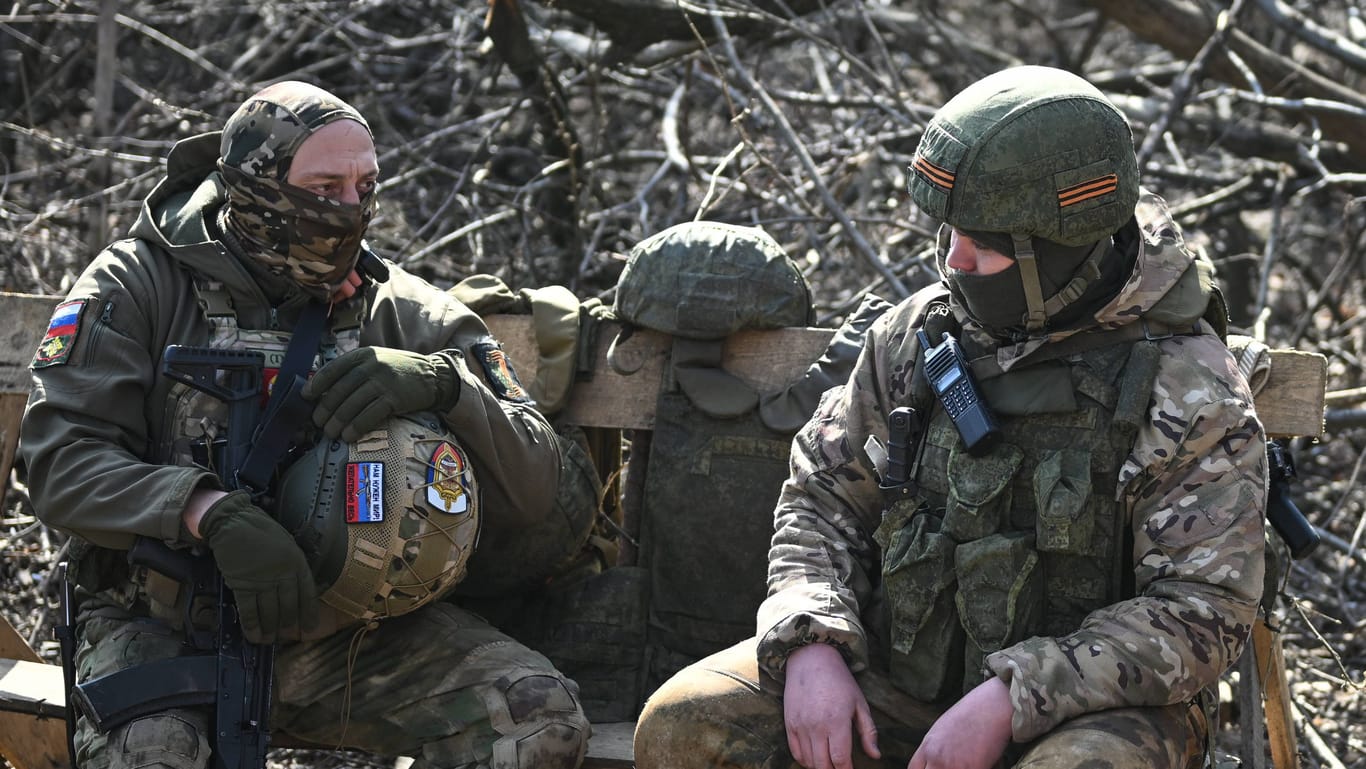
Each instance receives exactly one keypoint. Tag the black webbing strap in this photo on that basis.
(287, 408)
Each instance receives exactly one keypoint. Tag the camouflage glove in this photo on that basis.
(266, 571)
(359, 391)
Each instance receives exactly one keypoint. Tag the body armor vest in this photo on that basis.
(1025, 540)
(196, 418)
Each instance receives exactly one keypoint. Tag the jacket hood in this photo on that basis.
(176, 216)
(1169, 283)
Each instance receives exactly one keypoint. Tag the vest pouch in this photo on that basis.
(1062, 486)
(979, 491)
(999, 598)
(919, 584)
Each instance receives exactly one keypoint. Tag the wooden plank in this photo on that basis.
(612, 746)
(1291, 402)
(1280, 722)
(23, 319)
(11, 414)
(25, 741)
(34, 688)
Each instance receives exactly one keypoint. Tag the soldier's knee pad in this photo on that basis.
(171, 740)
(537, 715)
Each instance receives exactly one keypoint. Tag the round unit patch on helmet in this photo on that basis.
(1031, 151)
(706, 280)
(388, 523)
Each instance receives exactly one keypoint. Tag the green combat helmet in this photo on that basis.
(701, 282)
(1031, 153)
(388, 522)
(706, 280)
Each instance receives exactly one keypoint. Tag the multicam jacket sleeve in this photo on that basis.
(824, 562)
(1194, 485)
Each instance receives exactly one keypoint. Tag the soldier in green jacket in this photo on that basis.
(250, 227)
(1061, 591)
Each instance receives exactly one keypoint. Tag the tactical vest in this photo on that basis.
(1026, 540)
(196, 418)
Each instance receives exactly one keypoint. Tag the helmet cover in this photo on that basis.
(707, 280)
(1031, 151)
(388, 522)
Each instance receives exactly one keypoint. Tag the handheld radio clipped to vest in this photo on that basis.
(947, 370)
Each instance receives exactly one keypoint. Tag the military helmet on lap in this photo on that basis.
(388, 522)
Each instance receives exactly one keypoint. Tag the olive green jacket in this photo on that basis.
(94, 438)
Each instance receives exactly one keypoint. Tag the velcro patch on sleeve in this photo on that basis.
(498, 371)
(62, 330)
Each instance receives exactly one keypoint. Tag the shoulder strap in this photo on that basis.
(986, 366)
(287, 408)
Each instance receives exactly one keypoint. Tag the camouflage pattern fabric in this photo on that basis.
(311, 238)
(705, 280)
(1192, 487)
(722, 711)
(437, 684)
(1031, 151)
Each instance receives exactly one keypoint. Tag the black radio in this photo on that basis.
(947, 370)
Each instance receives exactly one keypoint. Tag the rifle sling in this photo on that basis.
(287, 409)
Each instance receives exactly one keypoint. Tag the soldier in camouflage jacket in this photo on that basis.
(1061, 599)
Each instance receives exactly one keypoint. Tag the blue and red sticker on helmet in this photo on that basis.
(364, 492)
(449, 486)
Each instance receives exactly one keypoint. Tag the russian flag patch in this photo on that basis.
(61, 334)
(364, 492)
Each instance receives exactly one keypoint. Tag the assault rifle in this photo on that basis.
(231, 673)
(1295, 530)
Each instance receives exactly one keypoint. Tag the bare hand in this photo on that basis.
(348, 287)
(822, 706)
(973, 734)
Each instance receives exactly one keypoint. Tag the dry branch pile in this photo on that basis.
(539, 142)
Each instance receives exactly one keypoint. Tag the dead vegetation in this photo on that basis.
(543, 149)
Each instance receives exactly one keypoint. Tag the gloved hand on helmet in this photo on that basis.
(266, 570)
(362, 389)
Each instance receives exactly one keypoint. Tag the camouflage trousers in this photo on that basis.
(438, 684)
(720, 712)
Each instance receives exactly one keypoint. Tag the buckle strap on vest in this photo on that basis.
(987, 366)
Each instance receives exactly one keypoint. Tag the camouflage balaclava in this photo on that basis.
(313, 240)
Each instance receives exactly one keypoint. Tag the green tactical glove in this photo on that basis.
(266, 571)
(359, 391)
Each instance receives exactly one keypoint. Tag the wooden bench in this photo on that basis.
(32, 702)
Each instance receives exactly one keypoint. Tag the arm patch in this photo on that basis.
(498, 372)
(60, 337)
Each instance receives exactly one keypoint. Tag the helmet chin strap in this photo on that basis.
(1039, 310)
(1086, 274)
(1029, 277)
